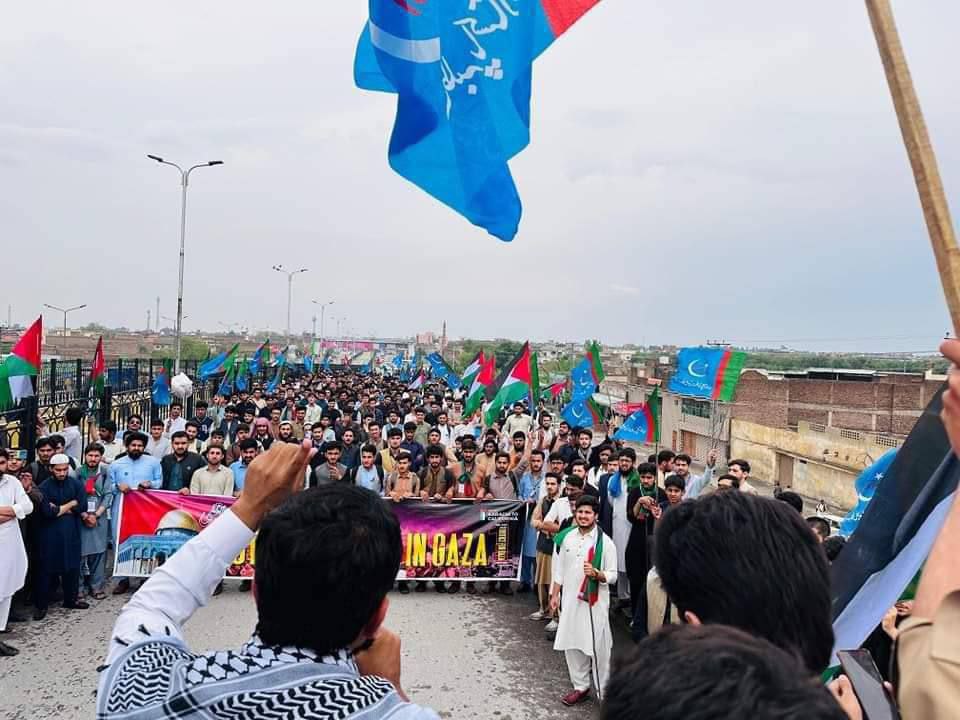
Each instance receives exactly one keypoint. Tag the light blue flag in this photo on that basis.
(398, 361)
(442, 371)
(212, 366)
(462, 73)
(308, 363)
(271, 387)
(161, 389)
(582, 384)
(866, 485)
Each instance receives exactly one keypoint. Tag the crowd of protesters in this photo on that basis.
(743, 580)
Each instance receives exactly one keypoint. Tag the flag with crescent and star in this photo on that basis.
(707, 372)
(462, 71)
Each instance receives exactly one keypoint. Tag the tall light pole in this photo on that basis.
(184, 182)
(323, 307)
(65, 311)
(289, 274)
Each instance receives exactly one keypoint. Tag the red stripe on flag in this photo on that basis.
(651, 424)
(564, 13)
(721, 372)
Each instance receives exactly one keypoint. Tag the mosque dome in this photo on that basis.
(177, 522)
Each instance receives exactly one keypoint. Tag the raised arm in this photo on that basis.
(186, 581)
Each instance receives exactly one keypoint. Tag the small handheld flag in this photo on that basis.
(20, 366)
(643, 426)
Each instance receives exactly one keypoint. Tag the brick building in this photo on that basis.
(865, 400)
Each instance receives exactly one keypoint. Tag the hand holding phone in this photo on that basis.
(860, 669)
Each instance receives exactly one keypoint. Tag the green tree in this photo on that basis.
(190, 349)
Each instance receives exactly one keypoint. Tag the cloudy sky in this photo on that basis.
(698, 171)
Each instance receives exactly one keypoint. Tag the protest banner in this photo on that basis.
(460, 540)
(153, 524)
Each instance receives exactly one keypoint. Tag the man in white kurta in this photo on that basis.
(584, 632)
(14, 506)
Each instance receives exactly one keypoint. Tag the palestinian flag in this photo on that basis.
(643, 426)
(513, 385)
(897, 530)
(97, 378)
(596, 367)
(472, 370)
(478, 388)
(21, 364)
(534, 381)
(418, 381)
(555, 390)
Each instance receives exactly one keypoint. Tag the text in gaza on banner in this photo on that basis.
(441, 541)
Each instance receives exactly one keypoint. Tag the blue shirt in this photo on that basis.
(369, 479)
(146, 468)
(239, 471)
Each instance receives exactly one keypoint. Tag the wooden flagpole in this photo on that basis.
(936, 212)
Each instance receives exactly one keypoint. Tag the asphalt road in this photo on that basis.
(465, 656)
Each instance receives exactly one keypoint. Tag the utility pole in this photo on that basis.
(314, 326)
(148, 319)
(289, 274)
(157, 316)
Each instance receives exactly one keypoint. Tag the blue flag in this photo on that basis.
(582, 384)
(582, 413)
(212, 366)
(326, 364)
(161, 389)
(442, 371)
(462, 72)
(241, 383)
(866, 485)
(308, 363)
(398, 361)
(707, 372)
(226, 386)
(271, 387)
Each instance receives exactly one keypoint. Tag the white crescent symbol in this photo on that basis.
(693, 372)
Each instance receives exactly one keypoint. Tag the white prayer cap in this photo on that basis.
(59, 459)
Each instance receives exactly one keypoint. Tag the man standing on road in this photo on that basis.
(332, 470)
(740, 469)
(518, 421)
(176, 422)
(178, 467)
(214, 479)
(583, 570)
(64, 501)
(94, 531)
(157, 445)
(15, 505)
(134, 471)
(108, 439)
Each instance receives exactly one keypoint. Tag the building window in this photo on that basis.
(697, 408)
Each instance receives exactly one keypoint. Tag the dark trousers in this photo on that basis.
(638, 595)
(70, 581)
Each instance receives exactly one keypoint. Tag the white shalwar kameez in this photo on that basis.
(13, 556)
(575, 636)
(621, 535)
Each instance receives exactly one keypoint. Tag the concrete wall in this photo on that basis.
(816, 462)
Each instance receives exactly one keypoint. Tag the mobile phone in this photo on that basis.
(859, 667)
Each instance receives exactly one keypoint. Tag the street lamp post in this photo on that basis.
(65, 311)
(289, 274)
(184, 182)
(323, 307)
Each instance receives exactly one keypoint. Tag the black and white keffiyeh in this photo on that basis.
(159, 678)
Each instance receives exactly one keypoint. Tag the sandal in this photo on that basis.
(99, 595)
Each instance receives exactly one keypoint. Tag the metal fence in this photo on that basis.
(62, 384)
